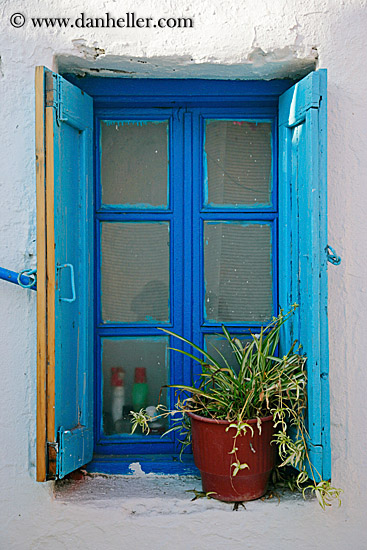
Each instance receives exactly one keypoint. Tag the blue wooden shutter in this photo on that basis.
(65, 260)
(302, 242)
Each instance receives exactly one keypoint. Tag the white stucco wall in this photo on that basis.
(242, 38)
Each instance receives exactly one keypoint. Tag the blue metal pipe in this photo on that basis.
(12, 277)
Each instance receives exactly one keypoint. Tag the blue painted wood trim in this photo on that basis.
(179, 89)
(242, 214)
(324, 333)
(123, 215)
(299, 99)
(303, 237)
(74, 449)
(72, 114)
(156, 464)
(135, 445)
(189, 177)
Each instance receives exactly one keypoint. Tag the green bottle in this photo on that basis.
(140, 389)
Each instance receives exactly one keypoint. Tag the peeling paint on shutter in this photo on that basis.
(302, 241)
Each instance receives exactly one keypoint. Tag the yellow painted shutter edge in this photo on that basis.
(41, 451)
(45, 463)
(50, 114)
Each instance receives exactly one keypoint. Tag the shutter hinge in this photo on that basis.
(52, 454)
(54, 95)
(54, 445)
(59, 108)
(55, 454)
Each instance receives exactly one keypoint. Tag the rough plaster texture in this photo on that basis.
(241, 39)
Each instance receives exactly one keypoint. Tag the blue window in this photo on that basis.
(200, 211)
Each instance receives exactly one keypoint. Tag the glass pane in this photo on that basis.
(218, 347)
(135, 272)
(134, 163)
(238, 272)
(134, 370)
(238, 163)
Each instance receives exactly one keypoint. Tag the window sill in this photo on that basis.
(150, 495)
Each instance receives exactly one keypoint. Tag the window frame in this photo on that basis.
(301, 103)
(187, 116)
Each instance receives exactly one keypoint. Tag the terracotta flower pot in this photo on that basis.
(211, 447)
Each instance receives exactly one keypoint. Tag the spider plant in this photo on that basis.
(261, 384)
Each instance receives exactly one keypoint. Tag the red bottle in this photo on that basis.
(118, 393)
